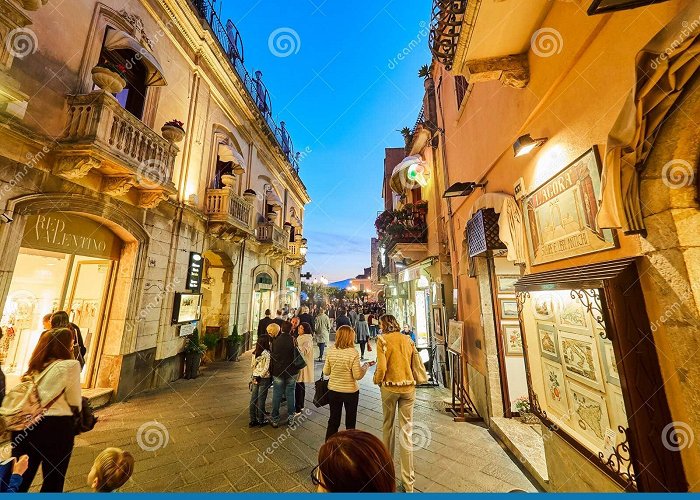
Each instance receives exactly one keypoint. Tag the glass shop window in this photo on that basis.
(573, 367)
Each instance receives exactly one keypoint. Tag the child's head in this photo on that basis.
(111, 470)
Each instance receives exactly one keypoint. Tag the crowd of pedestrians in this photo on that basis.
(350, 460)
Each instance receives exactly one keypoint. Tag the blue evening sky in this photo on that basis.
(343, 94)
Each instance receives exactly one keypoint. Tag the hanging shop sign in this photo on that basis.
(560, 215)
(409, 274)
(71, 234)
(194, 272)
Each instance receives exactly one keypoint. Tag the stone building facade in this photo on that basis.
(104, 205)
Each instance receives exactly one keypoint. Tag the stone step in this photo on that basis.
(98, 397)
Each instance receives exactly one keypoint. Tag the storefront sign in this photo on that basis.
(560, 215)
(194, 272)
(187, 329)
(186, 308)
(71, 234)
(409, 274)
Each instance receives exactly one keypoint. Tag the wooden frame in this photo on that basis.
(549, 349)
(512, 340)
(505, 283)
(509, 312)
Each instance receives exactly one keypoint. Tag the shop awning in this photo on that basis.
(588, 276)
(116, 39)
(403, 177)
(229, 153)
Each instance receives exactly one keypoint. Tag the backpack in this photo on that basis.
(22, 406)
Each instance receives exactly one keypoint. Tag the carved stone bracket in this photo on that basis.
(151, 199)
(75, 167)
(513, 71)
(117, 185)
(591, 301)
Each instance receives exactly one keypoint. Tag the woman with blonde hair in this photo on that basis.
(343, 367)
(394, 375)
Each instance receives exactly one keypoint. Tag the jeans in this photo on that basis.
(283, 386)
(404, 401)
(258, 398)
(49, 444)
(373, 331)
(336, 402)
(321, 347)
(299, 396)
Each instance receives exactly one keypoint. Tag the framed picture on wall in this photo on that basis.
(608, 356)
(573, 315)
(589, 414)
(509, 308)
(580, 358)
(555, 389)
(548, 341)
(543, 306)
(438, 327)
(512, 339)
(506, 283)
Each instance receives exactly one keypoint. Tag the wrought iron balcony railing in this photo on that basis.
(445, 27)
(232, 45)
(407, 225)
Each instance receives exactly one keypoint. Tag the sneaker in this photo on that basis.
(298, 412)
(274, 425)
(263, 423)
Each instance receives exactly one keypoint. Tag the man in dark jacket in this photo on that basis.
(279, 320)
(263, 323)
(284, 373)
(305, 317)
(342, 320)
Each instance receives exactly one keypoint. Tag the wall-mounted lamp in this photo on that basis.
(525, 143)
(462, 189)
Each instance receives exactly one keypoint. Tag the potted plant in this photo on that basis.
(210, 340)
(424, 71)
(109, 77)
(173, 131)
(233, 342)
(407, 135)
(193, 355)
(522, 405)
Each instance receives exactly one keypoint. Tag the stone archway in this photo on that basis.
(217, 294)
(670, 273)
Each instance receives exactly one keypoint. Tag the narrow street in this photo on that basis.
(193, 436)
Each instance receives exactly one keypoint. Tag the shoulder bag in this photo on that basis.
(299, 361)
(420, 375)
(84, 419)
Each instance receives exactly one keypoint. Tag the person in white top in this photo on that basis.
(49, 443)
(261, 381)
(305, 344)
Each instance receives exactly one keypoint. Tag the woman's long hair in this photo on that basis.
(345, 337)
(305, 327)
(60, 319)
(356, 461)
(54, 345)
(263, 344)
(388, 324)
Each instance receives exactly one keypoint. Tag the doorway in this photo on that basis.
(44, 282)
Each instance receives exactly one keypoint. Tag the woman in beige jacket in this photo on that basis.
(305, 344)
(398, 388)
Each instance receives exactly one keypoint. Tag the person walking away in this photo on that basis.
(260, 382)
(306, 317)
(263, 323)
(111, 470)
(362, 331)
(49, 442)
(305, 344)
(60, 319)
(283, 371)
(372, 327)
(279, 320)
(354, 461)
(398, 388)
(353, 317)
(342, 320)
(322, 332)
(343, 369)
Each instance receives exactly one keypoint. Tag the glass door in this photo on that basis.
(89, 284)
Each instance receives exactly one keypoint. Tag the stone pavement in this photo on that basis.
(194, 436)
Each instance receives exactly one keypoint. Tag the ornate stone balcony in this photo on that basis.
(229, 214)
(102, 137)
(404, 233)
(294, 257)
(275, 240)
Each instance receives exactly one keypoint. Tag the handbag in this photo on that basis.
(420, 375)
(369, 346)
(84, 418)
(299, 361)
(321, 394)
